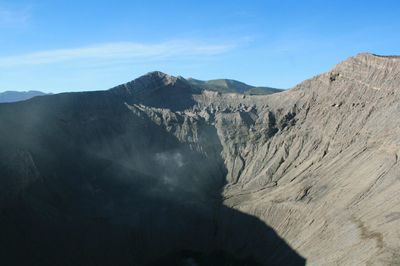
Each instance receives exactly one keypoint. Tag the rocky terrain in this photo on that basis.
(158, 171)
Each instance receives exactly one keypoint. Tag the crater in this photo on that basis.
(122, 190)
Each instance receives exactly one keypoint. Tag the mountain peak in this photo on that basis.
(150, 82)
(158, 89)
(161, 76)
(155, 77)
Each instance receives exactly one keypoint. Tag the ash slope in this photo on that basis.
(318, 163)
(328, 178)
(93, 179)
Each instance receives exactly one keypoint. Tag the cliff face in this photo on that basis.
(314, 162)
(327, 181)
(318, 164)
(95, 178)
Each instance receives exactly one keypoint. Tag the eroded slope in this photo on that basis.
(318, 163)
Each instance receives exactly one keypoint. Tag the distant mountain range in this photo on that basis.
(17, 96)
(219, 85)
(229, 85)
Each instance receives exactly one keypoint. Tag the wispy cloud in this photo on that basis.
(118, 51)
(14, 17)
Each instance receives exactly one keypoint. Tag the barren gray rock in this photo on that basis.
(317, 163)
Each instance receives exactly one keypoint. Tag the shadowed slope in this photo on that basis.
(91, 179)
(172, 163)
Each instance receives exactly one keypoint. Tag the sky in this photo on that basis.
(59, 46)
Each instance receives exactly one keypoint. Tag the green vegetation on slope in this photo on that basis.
(229, 85)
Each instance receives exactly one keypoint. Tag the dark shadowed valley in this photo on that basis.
(168, 171)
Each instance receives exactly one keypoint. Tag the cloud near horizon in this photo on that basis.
(117, 51)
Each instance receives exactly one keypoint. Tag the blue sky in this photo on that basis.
(72, 45)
